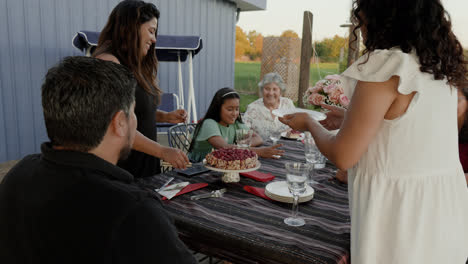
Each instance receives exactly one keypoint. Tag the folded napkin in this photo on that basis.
(171, 190)
(260, 192)
(258, 176)
(187, 188)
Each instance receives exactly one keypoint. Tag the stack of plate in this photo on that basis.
(279, 191)
(285, 135)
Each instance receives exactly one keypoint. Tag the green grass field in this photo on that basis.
(247, 76)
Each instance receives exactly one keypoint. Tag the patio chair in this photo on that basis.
(169, 103)
(180, 136)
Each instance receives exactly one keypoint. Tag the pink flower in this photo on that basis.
(344, 101)
(333, 77)
(328, 89)
(334, 96)
(339, 88)
(319, 85)
(317, 89)
(316, 99)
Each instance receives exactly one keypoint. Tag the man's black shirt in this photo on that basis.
(73, 207)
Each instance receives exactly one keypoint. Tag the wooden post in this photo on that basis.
(306, 54)
(353, 45)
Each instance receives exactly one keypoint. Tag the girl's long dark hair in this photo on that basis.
(121, 37)
(214, 111)
(423, 25)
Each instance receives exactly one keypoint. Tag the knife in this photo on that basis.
(164, 185)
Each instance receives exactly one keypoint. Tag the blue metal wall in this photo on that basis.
(34, 35)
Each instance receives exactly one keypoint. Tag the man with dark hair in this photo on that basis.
(72, 204)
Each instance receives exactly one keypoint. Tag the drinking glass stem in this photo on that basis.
(295, 208)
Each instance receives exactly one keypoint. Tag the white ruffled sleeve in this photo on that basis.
(381, 65)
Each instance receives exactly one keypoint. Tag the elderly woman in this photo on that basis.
(259, 116)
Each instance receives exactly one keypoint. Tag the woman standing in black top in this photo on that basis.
(129, 38)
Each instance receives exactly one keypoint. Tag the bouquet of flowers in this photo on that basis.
(327, 91)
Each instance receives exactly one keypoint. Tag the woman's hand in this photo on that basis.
(176, 116)
(271, 152)
(175, 157)
(335, 117)
(298, 121)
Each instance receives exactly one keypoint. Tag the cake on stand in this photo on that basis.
(231, 175)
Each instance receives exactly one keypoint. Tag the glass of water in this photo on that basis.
(321, 161)
(312, 155)
(296, 177)
(275, 135)
(244, 138)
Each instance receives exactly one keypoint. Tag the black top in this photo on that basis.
(74, 207)
(138, 163)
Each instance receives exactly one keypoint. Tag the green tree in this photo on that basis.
(329, 49)
(323, 51)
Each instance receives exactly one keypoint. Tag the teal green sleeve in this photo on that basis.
(209, 129)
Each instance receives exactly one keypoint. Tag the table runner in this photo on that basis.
(244, 228)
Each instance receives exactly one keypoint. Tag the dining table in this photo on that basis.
(240, 227)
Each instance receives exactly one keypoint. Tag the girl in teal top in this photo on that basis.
(218, 128)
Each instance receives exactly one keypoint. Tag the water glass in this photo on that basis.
(296, 177)
(321, 161)
(275, 135)
(313, 157)
(244, 138)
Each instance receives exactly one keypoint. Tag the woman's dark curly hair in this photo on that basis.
(423, 25)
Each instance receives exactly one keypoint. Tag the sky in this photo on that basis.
(282, 15)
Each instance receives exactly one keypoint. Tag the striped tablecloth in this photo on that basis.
(244, 228)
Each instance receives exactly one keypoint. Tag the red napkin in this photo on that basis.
(258, 176)
(260, 192)
(189, 188)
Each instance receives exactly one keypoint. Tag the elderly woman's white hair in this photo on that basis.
(272, 77)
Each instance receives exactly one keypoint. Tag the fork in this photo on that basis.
(217, 193)
(164, 185)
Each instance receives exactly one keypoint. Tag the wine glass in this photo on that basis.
(244, 138)
(296, 177)
(312, 155)
(275, 135)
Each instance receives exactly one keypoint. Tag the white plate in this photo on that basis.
(223, 170)
(279, 191)
(314, 114)
(285, 135)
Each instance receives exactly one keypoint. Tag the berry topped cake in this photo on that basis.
(293, 134)
(232, 159)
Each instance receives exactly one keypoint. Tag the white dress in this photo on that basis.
(408, 194)
(258, 117)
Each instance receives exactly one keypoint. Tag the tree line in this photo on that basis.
(249, 45)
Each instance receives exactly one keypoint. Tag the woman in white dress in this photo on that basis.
(398, 139)
(259, 116)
